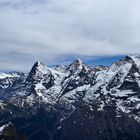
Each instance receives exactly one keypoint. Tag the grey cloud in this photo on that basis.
(49, 29)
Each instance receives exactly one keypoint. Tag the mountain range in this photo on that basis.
(74, 102)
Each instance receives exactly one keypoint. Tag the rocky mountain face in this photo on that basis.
(74, 102)
(8, 132)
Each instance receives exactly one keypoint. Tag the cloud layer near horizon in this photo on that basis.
(50, 29)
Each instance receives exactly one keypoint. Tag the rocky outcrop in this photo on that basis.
(8, 132)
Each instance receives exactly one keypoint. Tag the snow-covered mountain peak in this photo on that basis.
(40, 75)
(78, 61)
(8, 75)
(38, 63)
(39, 66)
(126, 63)
(122, 64)
(135, 59)
(77, 66)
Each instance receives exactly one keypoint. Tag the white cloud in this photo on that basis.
(47, 29)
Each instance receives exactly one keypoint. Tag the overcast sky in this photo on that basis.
(54, 30)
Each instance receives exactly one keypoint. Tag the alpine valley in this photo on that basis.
(73, 102)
